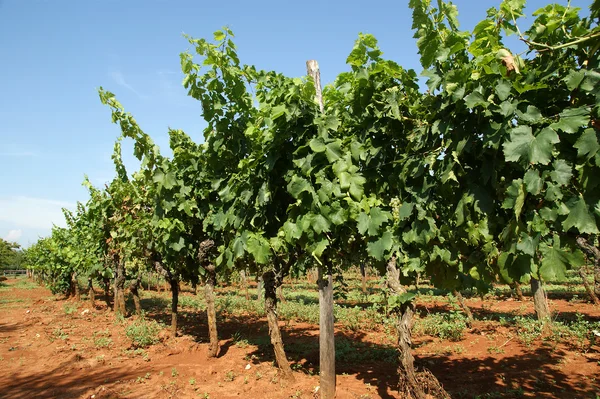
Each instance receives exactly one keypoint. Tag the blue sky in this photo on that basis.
(56, 53)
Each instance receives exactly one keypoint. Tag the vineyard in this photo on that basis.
(450, 214)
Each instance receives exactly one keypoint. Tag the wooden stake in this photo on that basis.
(326, 334)
(312, 68)
(325, 281)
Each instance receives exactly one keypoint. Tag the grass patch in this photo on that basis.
(136, 352)
(239, 341)
(102, 339)
(142, 332)
(102, 342)
(187, 301)
(579, 334)
(450, 326)
(25, 284)
(11, 300)
(69, 308)
(59, 333)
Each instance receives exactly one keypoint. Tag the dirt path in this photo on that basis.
(63, 349)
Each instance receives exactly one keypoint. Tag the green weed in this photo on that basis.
(59, 333)
(142, 332)
(239, 341)
(450, 326)
(230, 376)
(528, 329)
(102, 342)
(25, 285)
(69, 308)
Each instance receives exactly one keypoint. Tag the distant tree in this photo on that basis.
(10, 255)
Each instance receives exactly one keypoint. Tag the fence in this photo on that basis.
(13, 272)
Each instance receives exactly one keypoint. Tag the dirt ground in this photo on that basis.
(53, 348)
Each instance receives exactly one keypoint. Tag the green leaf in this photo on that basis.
(580, 217)
(528, 244)
(362, 223)
(396, 301)
(353, 183)
(474, 99)
(165, 180)
(333, 151)
(219, 36)
(298, 185)
(260, 249)
(508, 108)
(292, 231)
(319, 247)
(317, 145)
(503, 89)
(562, 172)
(406, 209)
(548, 214)
(573, 79)
(378, 248)
(238, 247)
(587, 144)
(572, 119)
(337, 215)
(178, 246)
(531, 115)
(554, 263)
(330, 122)
(517, 267)
(372, 222)
(277, 111)
(434, 80)
(515, 197)
(320, 224)
(591, 81)
(533, 182)
(264, 195)
(524, 146)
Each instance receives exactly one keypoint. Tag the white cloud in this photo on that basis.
(36, 213)
(120, 80)
(13, 235)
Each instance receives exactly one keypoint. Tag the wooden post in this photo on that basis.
(259, 287)
(91, 292)
(174, 282)
(244, 282)
(312, 68)
(326, 334)
(325, 281)
(363, 275)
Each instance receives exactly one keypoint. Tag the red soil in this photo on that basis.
(47, 353)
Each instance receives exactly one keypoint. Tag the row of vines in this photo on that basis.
(491, 174)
